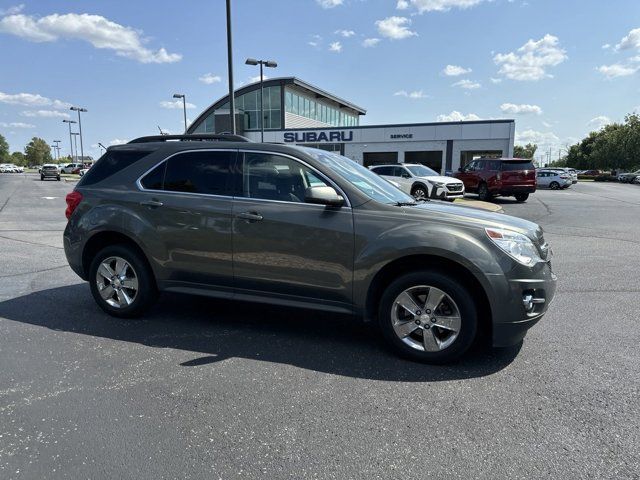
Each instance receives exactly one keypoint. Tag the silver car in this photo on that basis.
(421, 182)
(553, 179)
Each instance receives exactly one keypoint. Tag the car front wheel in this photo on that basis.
(428, 316)
(522, 197)
(483, 192)
(122, 282)
(419, 192)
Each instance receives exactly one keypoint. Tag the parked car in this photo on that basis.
(83, 171)
(49, 170)
(571, 172)
(297, 226)
(628, 177)
(637, 180)
(72, 168)
(420, 181)
(553, 179)
(6, 168)
(591, 173)
(490, 177)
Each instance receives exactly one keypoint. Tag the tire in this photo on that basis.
(412, 346)
(141, 298)
(483, 192)
(420, 192)
(58, 178)
(42, 178)
(522, 197)
(554, 185)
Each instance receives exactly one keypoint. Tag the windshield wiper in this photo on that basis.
(406, 204)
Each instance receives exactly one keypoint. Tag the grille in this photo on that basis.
(456, 187)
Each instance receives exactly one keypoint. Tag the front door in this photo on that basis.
(282, 246)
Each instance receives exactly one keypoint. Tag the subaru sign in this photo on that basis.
(317, 137)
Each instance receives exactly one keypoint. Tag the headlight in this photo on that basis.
(517, 246)
(438, 184)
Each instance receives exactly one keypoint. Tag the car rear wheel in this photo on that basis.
(419, 192)
(122, 282)
(428, 316)
(554, 185)
(522, 197)
(483, 192)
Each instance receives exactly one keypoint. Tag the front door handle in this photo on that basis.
(250, 216)
(151, 203)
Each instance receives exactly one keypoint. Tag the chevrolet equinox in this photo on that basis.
(220, 216)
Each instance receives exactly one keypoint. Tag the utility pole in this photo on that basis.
(79, 109)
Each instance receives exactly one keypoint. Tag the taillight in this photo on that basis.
(73, 200)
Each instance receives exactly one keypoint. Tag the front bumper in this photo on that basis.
(510, 318)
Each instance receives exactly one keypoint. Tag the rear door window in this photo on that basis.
(154, 180)
(517, 165)
(388, 171)
(205, 172)
(110, 163)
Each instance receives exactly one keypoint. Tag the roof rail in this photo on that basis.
(202, 137)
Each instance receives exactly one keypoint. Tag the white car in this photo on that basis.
(421, 182)
(572, 172)
(71, 167)
(10, 168)
(553, 179)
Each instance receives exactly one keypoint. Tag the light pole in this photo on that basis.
(232, 100)
(75, 141)
(70, 137)
(184, 107)
(57, 149)
(266, 63)
(79, 109)
(102, 146)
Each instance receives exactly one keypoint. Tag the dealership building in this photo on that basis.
(299, 113)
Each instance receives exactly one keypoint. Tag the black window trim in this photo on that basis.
(229, 185)
(239, 171)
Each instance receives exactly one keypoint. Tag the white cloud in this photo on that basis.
(496, 80)
(395, 28)
(329, 3)
(210, 78)
(99, 31)
(31, 100)
(255, 79)
(532, 60)
(370, 42)
(335, 47)
(599, 122)
(416, 94)
(455, 71)
(45, 114)
(437, 5)
(547, 124)
(606, 46)
(467, 84)
(542, 139)
(117, 141)
(12, 10)
(632, 40)
(175, 104)
(16, 125)
(618, 70)
(522, 108)
(345, 33)
(456, 116)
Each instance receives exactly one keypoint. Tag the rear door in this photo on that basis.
(187, 199)
(283, 247)
(518, 173)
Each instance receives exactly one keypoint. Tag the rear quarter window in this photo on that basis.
(110, 163)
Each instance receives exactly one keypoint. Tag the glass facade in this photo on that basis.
(305, 107)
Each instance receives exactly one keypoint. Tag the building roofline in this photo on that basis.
(272, 82)
(396, 125)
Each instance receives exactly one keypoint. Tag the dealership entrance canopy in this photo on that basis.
(298, 113)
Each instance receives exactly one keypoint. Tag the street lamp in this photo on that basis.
(70, 137)
(75, 141)
(266, 63)
(57, 149)
(79, 109)
(232, 100)
(102, 146)
(184, 107)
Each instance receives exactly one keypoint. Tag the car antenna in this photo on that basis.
(161, 132)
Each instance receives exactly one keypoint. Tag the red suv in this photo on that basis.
(490, 177)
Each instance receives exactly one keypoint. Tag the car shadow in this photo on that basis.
(215, 330)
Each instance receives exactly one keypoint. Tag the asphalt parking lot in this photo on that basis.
(210, 389)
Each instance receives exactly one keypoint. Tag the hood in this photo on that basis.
(481, 218)
(440, 179)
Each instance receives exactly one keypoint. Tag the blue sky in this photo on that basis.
(559, 67)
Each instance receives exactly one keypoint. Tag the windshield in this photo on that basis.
(368, 182)
(422, 171)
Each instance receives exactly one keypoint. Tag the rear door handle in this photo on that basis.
(250, 216)
(151, 203)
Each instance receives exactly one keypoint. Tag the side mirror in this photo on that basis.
(406, 175)
(323, 196)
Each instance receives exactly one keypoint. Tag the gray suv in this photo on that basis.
(219, 216)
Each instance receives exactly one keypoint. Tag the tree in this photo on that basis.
(37, 152)
(4, 150)
(528, 151)
(19, 159)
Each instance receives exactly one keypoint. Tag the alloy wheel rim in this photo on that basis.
(419, 194)
(425, 318)
(117, 282)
